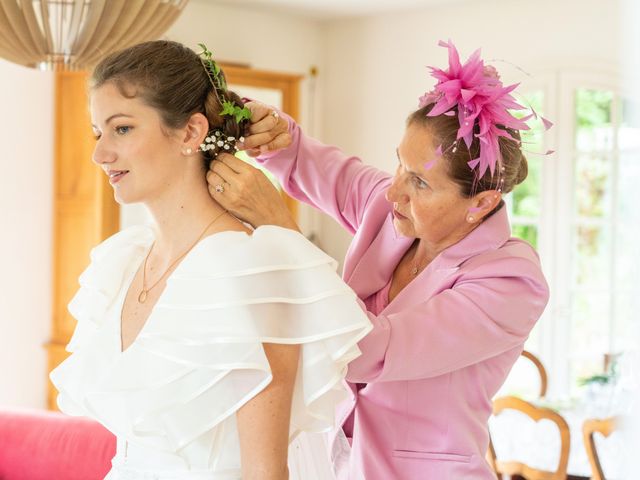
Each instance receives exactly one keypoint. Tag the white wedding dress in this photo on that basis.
(171, 397)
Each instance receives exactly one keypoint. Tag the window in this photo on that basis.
(524, 202)
(605, 162)
(577, 208)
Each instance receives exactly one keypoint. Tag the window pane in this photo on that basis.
(592, 190)
(590, 316)
(532, 139)
(526, 196)
(526, 232)
(625, 331)
(629, 133)
(627, 261)
(628, 186)
(594, 129)
(591, 257)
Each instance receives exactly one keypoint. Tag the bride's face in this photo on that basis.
(134, 148)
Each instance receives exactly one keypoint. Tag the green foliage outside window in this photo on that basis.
(526, 196)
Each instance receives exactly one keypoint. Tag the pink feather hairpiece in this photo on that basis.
(478, 92)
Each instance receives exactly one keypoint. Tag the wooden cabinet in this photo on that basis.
(84, 211)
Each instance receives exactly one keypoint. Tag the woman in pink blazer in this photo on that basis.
(451, 294)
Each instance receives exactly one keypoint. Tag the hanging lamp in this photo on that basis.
(75, 34)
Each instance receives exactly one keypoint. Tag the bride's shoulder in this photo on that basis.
(137, 235)
(265, 246)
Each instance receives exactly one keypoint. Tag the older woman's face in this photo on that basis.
(427, 204)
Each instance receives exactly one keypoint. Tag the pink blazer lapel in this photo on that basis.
(376, 265)
(427, 284)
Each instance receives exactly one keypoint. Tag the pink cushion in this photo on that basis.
(40, 445)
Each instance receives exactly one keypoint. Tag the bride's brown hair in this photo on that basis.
(171, 78)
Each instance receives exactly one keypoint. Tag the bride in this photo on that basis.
(203, 346)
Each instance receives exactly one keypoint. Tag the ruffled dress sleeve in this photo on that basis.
(200, 355)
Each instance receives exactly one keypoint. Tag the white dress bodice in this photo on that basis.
(171, 397)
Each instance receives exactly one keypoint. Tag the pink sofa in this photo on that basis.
(41, 445)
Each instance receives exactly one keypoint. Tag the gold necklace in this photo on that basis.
(415, 269)
(142, 297)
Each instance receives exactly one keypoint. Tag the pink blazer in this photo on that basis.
(441, 349)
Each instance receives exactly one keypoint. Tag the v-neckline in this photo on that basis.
(129, 283)
(123, 298)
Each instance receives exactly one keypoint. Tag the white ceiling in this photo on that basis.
(326, 9)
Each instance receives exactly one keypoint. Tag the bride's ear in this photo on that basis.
(195, 132)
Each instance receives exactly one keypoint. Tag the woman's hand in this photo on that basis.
(267, 132)
(247, 193)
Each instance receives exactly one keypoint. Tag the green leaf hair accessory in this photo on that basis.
(216, 77)
(213, 69)
(231, 109)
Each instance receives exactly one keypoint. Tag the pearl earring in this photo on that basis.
(189, 151)
(470, 219)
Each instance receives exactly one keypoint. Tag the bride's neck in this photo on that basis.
(180, 216)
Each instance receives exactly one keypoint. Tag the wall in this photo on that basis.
(376, 67)
(26, 161)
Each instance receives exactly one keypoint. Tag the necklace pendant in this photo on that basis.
(142, 297)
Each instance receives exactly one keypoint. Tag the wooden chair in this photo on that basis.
(589, 427)
(537, 414)
(541, 370)
(491, 454)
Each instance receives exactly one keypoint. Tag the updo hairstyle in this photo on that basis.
(444, 129)
(170, 78)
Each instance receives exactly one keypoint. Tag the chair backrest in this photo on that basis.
(527, 378)
(541, 370)
(536, 414)
(491, 454)
(589, 427)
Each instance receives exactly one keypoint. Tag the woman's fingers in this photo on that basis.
(233, 177)
(247, 193)
(271, 122)
(255, 141)
(267, 131)
(216, 185)
(281, 141)
(258, 110)
(224, 171)
(265, 142)
(233, 163)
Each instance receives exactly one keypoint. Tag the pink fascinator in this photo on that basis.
(477, 91)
